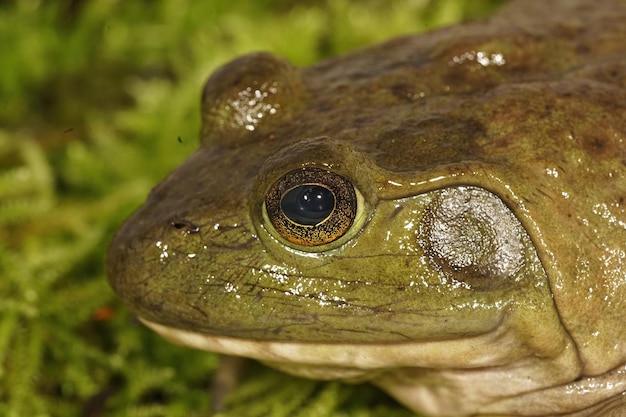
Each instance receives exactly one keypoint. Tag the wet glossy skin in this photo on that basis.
(475, 259)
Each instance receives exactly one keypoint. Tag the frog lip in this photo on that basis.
(470, 352)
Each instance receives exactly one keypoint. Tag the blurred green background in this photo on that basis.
(100, 100)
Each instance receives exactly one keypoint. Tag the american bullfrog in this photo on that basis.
(443, 215)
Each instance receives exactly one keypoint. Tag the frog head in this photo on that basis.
(450, 229)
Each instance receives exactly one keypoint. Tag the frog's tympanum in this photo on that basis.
(443, 215)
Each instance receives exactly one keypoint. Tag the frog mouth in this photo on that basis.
(356, 360)
(484, 369)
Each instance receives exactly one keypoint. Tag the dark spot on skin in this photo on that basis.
(185, 226)
(596, 144)
(599, 147)
(403, 91)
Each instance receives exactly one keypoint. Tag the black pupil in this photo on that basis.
(308, 204)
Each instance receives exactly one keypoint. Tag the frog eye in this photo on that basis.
(311, 206)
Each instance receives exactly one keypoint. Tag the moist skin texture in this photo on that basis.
(467, 248)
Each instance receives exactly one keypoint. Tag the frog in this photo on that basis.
(442, 215)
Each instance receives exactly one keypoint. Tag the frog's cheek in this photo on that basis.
(470, 232)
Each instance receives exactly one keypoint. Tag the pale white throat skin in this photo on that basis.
(450, 378)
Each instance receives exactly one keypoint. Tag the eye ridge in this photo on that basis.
(307, 223)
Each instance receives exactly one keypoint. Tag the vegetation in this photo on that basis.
(100, 101)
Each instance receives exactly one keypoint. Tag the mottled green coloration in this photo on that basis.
(485, 271)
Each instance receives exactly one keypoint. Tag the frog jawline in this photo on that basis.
(478, 351)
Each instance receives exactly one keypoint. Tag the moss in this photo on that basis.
(101, 100)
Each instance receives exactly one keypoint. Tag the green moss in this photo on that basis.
(101, 100)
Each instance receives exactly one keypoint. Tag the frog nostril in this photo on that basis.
(185, 226)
